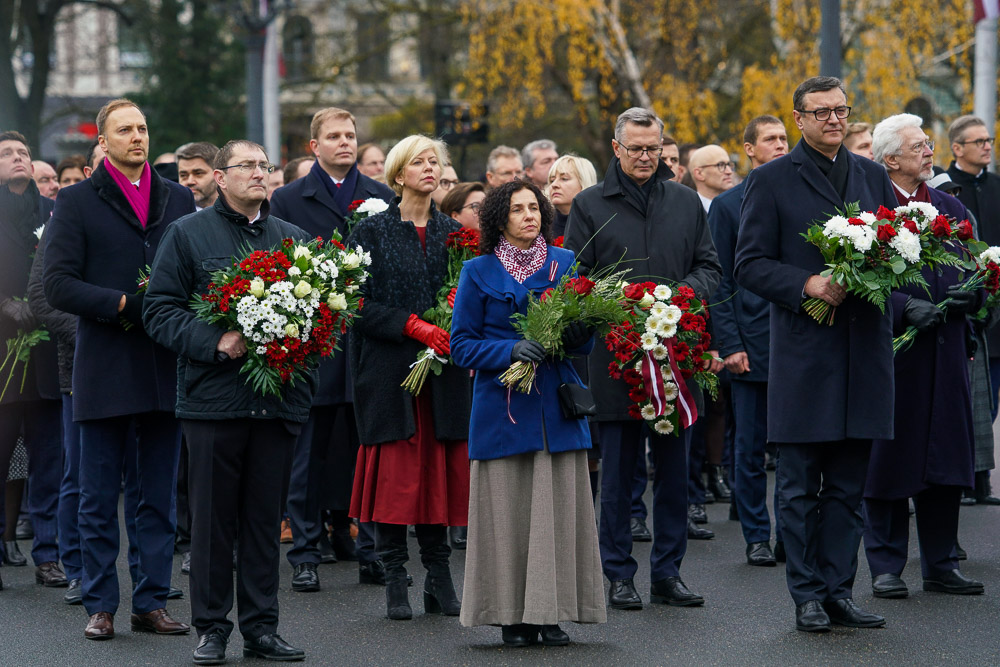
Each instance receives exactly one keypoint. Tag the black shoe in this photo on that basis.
(759, 553)
(459, 536)
(889, 586)
(967, 499)
(698, 533)
(779, 551)
(553, 635)
(175, 594)
(987, 500)
(717, 483)
(810, 617)
(12, 555)
(24, 530)
(74, 594)
(519, 635)
(982, 492)
(271, 647)
(186, 563)
(640, 533)
(397, 600)
(211, 649)
(697, 513)
(623, 595)
(709, 497)
(960, 552)
(371, 573)
(439, 592)
(672, 591)
(845, 612)
(343, 545)
(305, 579)
(954, 582)
(326, 553)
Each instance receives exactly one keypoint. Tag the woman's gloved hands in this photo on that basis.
(922, 314)
(576, 335)
(432, 336)
(962, 301)
(528, 351)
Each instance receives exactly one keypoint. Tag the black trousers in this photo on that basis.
(238, 479)
(182, 543)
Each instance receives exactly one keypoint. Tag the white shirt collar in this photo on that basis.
(906, 194)
(705, 201)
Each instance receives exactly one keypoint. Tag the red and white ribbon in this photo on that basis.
(652, 383)
(687, 409)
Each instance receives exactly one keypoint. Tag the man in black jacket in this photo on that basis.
(638, 215)
(239, 443)
(323, 464)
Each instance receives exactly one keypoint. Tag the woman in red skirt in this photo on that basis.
(413, 466)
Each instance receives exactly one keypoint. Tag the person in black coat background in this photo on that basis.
(33, 411)
(830, 388)
(325, 454)
(103, 232)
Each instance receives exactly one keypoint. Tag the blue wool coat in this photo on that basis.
(482, 338)
(96, 248)
(933, 444)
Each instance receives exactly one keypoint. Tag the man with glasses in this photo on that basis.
(239, 442)
(712, 172)
(323, 465)
(449, 179)
(657, 228)
(830, 387)
(503, 166)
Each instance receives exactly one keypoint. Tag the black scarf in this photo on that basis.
(20, 211)
(834, 170)
(342, 196)
(638, 194)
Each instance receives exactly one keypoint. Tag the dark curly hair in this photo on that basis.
(495, 211)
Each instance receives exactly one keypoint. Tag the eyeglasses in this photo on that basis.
(721, 166)
(447, 184)
(475, 206)
(824, 113)
(637, 151)
(250, 167)
(978, 142)
(919, 148)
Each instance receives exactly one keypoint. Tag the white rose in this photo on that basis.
(295, 271)
(257, 287)
(647, 300)
(302, 289)
(302, 251)
(337, 301)
(292, 330)
(351, 260)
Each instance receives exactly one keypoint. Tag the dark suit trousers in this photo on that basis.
(237, 485)
(182, 544)
(621, 443)
(696, 463)
(41, 423)
(749, 401)
(820, 486)
(69, 495)
(887, 531)
(639, 483)
(107, 447)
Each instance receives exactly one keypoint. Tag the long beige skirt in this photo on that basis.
(532, 554)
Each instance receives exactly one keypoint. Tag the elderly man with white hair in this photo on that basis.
(930, 459)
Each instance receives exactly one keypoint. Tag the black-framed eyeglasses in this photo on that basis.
(447, 183)
(637, 151)
(721, 166)
(475, 206)
(249, 167)
(978, 142)
(823, 114)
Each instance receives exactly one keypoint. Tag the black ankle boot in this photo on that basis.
(717, 483)
(391, 542)
(439, 590)
(397, 600)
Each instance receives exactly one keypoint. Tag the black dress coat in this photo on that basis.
(96, 248)
(668, 241)
(403, 281)
(934, 444)
(740, 319)
(825, 383)
(306, 203)
(61, 326)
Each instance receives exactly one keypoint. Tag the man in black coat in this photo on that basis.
(740, 324)
(103, 232)
(637, 214)
(34, 410)
(830, 387)
(239, 442)
(325, 454)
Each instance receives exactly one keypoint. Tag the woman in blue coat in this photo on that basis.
(533, 559)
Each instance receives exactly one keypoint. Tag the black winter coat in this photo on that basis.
(61, 326)
(195, 247)
(669, 241)
(96, 249)
(306, 203)
(403, 281)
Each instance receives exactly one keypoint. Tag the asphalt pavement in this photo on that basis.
(748, 619)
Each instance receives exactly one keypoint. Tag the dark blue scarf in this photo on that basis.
(342, 196)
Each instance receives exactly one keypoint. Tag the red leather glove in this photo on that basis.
(433, 337)
(451, 297)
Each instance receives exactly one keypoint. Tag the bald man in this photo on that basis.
(712, 172)
(45, 178)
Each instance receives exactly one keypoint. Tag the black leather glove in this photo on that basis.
(962, 301)
(922, 314)
(528, 351)
(576, 335)
(19, 312)
(132, 312)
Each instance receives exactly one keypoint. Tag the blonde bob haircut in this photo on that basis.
(404, 152)
(577, 166)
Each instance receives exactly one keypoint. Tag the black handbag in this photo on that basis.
(576, 401)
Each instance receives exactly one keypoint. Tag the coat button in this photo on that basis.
(147, 244)
(253, 413)
(263, 412)
(941, 340)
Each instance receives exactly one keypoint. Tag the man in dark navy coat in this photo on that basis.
(830, 387)
(931, 457)
(741, 324)
(103, 232)
(325, 452)
(32, 411)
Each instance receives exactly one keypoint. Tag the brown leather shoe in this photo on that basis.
(158, 621)
(100, 626)
(49, 575)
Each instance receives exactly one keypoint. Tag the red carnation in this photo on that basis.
(885, 232)
(354, 205)
(559, 241)
(965, 230)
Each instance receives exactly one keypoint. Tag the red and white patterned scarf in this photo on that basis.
(522, 263)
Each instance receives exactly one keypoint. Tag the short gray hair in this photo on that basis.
(528, 152)
(956, 131)
(887, 139)
(499, 152)
(636, 116)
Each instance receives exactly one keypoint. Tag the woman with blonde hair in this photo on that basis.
(412, 468)
(568, 177)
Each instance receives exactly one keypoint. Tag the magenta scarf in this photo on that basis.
(138, 198)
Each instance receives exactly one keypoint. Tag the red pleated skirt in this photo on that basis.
(421, 480)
